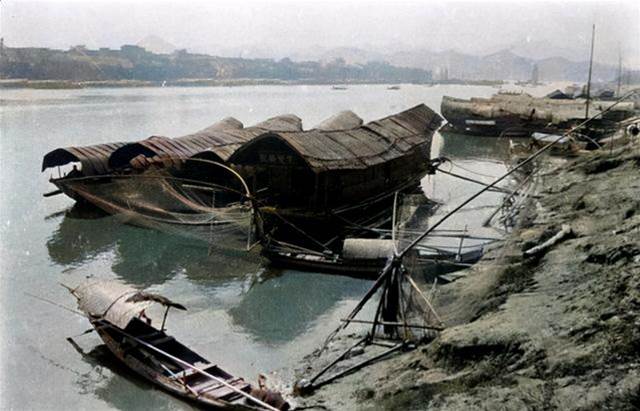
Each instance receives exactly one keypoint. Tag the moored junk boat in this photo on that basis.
(118, 314)
(520, 114)
(338, 174)
(144, 182)
(312, 186)
(106, 165)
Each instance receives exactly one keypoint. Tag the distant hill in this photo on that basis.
(156, 59)
(156, 44)
(351, 55)
(136, 63)
(513, 63)
(543, 49)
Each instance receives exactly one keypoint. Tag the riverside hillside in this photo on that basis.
(135, 63)
(559, 330)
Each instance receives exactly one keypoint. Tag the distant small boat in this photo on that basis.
(393, 88)
(117, 312)
(338, 87)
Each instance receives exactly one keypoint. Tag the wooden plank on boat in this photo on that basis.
(224, 393)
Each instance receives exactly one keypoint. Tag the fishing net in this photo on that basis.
(429, 261)
(171, 201)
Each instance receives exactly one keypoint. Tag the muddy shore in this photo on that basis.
(557, 330)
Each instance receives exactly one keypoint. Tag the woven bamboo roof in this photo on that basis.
(94, 159)
(116, 302)
(373, 143)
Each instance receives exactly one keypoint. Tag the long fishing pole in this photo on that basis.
(71, 310)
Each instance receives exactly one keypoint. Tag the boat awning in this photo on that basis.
(373, 143)
(221, 138)
(116, 302)
(94, 159)
(344, 120)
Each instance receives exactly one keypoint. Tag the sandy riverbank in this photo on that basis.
(557, 331)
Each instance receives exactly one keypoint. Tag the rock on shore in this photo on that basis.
(558, 330)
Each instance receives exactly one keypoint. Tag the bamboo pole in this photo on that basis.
(593, 37)
(337, 360)
(433, 310)
(360, 365)
(396, 323)
(496, 189)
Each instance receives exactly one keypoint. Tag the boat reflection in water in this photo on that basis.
(141, 256)
(298, 299)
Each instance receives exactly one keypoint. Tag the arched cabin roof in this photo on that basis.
(284, 122)
(94, 159)
(344, 120)
(221, 134)
(373, 143)
(116, 302)
(221, 139)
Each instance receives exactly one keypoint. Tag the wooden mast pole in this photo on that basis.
(619, 72)
(593, 36)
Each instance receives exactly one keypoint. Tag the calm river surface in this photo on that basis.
(243, 316)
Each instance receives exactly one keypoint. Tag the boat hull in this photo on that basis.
(155, 376)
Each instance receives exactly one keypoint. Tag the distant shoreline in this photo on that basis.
(70, 84)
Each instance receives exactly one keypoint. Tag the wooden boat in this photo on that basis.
(519, 114)
(305, 184)
(104, 168)
(365, 258)
(322, 181)
(117, 313)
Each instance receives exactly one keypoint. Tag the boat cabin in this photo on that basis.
(319, 169)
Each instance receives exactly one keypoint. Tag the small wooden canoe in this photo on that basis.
(117, 312)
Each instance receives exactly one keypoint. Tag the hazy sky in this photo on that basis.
(477, 27)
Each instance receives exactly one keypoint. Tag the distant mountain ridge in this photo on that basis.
(156, 44)
(513, 61)
(501, 65)
(340, 64)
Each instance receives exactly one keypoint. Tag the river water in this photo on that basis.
(243, 316)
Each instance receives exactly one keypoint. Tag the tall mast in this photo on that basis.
(619, 72)
(593, 37)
